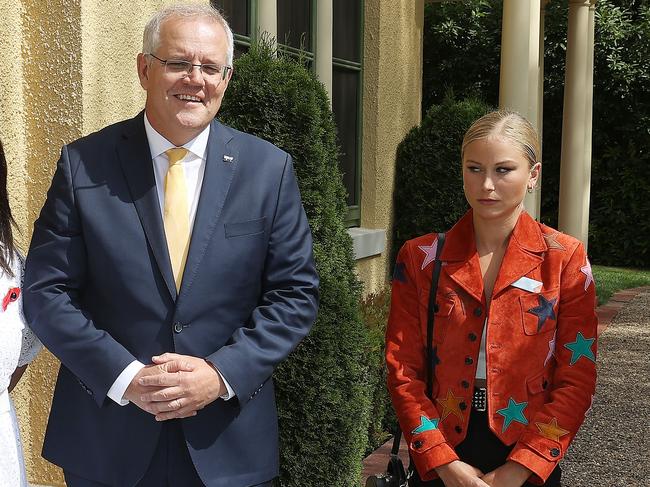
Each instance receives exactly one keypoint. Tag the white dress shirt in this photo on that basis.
(194, 167)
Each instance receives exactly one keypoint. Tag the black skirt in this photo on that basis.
(483, 450)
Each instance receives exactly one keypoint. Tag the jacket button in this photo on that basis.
(462, 406)
(555, 452)
(458, 429)
(478, 311)
(417, 444)
(178, 327)
(469, 360)
(465, 384)
(472, 337)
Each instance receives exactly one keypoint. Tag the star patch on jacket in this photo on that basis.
(11, 296)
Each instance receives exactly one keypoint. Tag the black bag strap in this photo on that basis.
(431, 310)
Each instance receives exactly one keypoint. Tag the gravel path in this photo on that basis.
(612, 449)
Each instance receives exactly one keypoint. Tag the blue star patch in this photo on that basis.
(399, 273)
(426, 424)
(581, 348)
(543, 311)
(513, 412)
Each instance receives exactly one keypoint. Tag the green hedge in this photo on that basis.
(428, 182)
(322, 390)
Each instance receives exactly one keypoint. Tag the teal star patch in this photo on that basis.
(426, 424)
(581, 348)
(514, 412)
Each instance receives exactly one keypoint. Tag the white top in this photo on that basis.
(18, 347)
(194, 167)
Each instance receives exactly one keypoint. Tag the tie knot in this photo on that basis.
(176, 154)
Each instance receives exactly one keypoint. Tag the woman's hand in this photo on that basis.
(460, 474)
(510, 474)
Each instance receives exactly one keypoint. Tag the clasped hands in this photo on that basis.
(460, 474)
(175, 386)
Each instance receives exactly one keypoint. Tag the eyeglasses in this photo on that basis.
(182, 67)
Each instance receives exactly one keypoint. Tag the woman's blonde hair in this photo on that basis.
(509, 125)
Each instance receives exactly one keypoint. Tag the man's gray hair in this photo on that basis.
(151, 37)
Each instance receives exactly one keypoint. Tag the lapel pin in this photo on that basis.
(228, 158)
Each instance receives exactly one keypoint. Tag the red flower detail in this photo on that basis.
(12, 295)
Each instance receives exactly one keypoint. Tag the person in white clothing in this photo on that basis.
(18, 345)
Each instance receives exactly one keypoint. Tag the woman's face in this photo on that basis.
(495, 177)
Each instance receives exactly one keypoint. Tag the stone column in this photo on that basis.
(574, 127)
(267, 18)
(589, 104)
(324, 34)
(519, 82)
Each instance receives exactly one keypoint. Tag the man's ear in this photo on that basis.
(143, 70)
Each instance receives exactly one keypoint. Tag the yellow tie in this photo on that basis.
(176, 214)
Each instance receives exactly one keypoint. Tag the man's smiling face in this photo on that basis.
(180, 106)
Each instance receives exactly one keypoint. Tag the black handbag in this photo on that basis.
(396, 475)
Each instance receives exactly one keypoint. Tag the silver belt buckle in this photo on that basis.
(479, 399)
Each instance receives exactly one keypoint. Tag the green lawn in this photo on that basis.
(612, 279)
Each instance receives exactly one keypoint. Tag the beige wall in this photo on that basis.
(391, 107)
(70, 70)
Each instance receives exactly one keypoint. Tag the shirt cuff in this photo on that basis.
(121, 384)
(230, 393)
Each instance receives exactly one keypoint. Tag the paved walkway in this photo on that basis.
(612, 448)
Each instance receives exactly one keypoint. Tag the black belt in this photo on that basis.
(479, 399)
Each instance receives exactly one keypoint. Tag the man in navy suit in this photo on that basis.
(171, 271)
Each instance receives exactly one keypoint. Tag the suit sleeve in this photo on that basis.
(54, 278)
(405, 358)
(573, 383)
(289, 302)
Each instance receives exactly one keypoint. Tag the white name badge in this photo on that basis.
(528, 284)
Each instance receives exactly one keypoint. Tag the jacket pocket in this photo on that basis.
(539, 312)
(249, 227)
(442, 314)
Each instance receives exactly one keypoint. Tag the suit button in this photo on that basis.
(472, 337)
(417, 444)
(465, 384)
(469, 360)
(462, 406)
(178, 327)
(555, 452)
(458, 429)
(478, 311)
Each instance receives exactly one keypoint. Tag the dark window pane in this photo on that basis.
(294, 22)
(347, 28)
(345, 97)
(240, 49)
(237, 13)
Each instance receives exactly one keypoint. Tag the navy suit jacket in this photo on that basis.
(100, 293)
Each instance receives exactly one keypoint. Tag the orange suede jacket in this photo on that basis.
(540, 344)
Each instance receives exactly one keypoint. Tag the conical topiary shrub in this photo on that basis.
(323, 395)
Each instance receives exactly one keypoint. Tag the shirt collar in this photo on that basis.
(159, 144)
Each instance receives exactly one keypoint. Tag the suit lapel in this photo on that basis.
(221, 163)
(135, 158)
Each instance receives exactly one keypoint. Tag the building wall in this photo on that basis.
(73, 70)
(392, 100)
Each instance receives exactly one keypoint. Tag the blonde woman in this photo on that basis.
(18, 345)
(514, 332)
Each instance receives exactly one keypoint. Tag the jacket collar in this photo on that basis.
(524, 253)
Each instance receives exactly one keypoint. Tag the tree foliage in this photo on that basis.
(322, 390)
(461, 50)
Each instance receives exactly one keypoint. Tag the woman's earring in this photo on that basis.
(530, 189)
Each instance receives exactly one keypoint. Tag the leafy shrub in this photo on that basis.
(322, 390)
(428, 182)
(383, 422)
